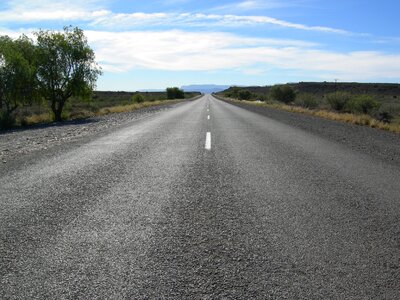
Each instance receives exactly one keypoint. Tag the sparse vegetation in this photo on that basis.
(100, 103)
(364, 120)
(352, 104)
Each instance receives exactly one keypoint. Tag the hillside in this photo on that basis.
(205, 88)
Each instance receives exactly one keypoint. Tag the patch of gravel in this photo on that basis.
(377, 143)
(19, 142)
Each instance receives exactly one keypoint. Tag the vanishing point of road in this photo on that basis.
(206, 200)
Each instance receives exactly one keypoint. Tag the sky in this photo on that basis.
(155, 44)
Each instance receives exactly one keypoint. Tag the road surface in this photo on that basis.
(206, 200)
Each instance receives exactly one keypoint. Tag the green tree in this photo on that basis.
(175, 93)
(282, 93)
(17, 72)
(18, 75)
(67, 67)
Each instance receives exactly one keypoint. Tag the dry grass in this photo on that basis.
(36, 119)
(82, 114)
(363, 120)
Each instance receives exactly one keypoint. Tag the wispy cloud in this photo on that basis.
(198, 19)
(31, 11)
(158, 49)
(253, 4)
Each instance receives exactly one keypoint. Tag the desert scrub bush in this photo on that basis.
(282, 93)
(244, 95)
(387, 112)
(362, 104)
(175, 93)
(307, 101)
(137, 98)
(338, 100)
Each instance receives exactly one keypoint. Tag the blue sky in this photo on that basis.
(155, 44)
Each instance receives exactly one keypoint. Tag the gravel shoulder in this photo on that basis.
(17, 143)
(377, 143)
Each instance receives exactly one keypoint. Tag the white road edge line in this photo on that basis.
(208, 117)
(208, 141)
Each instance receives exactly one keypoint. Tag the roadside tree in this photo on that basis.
(67, 67)
(18, 76)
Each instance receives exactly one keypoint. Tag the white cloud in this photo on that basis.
(211, 51)
(198, 19)
(193, 51)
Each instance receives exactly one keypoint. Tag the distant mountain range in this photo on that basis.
(205, 88)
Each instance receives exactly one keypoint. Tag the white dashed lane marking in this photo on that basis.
(208, 141)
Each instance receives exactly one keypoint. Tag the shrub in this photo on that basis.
(338, 100)
(244, 95)
(307, 101)
(175, 93)
(364, 104)
(137, 98)
(387, 112)
(283, 93)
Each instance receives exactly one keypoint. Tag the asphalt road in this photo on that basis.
(146, 211)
